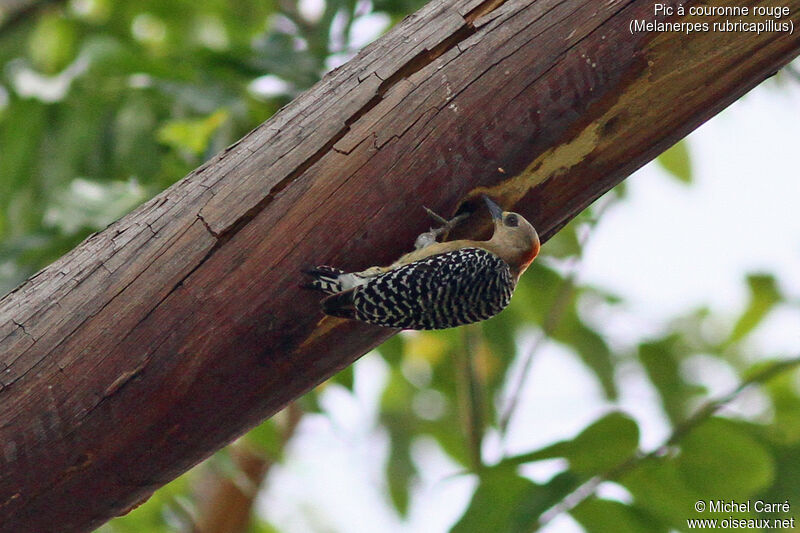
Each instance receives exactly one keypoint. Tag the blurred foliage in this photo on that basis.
(104, 103)
(676, 161)
(121, 99)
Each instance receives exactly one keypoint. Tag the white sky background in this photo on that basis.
(666, 249)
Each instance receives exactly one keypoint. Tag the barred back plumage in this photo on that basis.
(441, 291)
(438, 285)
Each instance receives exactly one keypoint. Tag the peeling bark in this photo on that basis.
(180, 326)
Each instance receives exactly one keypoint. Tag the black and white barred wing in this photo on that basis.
(441, 291)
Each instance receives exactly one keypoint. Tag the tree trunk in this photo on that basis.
(181, 326)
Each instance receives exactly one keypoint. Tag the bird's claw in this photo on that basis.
(434, 216)
(429, 237)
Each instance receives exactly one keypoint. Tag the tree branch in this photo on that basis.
(180, 326)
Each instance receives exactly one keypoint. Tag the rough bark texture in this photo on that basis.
(180, 326)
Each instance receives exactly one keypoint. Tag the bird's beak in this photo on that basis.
(494, 209)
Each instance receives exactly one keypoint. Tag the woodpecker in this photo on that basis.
(439, 285)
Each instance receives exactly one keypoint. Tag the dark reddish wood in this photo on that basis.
(181, 326)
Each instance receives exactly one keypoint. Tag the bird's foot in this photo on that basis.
(429, 237)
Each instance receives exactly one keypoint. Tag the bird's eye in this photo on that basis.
(512, 221)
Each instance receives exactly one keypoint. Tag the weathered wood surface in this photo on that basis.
(180, 326)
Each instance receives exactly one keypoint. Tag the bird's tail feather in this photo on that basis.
(326, 279)
(340, 304)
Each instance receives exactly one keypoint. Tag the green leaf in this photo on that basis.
(782, 390)
(764, 295)
(52, 43)
(590, 346)
(787, 480)
(505, 501)
(150, 515)
(500, 334)
(676, 161)
(268, 437)
(719, 459)
(600, 447)
(401, 425)
(661, 360)
(309, 402)
(601, 516)
(22, 129)
(496, 502)
(392, 349)
(259, 525)
(400, 470)
(345, 378)
(657, 487)
(193, 135)
(564, 243)
(604, 444)
(536, 292)
(397, 394)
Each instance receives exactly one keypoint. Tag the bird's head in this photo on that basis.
(514, 239)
